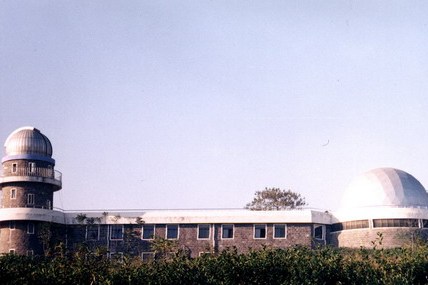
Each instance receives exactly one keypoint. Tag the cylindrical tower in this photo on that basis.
(27, 181)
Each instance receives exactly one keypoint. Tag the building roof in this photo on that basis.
(385, 187)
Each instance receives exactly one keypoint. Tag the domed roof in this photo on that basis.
(385, 187)
(28, 140)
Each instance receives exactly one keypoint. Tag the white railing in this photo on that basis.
(33, 171)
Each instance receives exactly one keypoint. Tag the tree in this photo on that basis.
(271, 199)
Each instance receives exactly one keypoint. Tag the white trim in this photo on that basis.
(209, 232)
(233, 231)
(254, 231)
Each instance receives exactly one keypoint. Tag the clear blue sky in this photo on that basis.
(196, 104)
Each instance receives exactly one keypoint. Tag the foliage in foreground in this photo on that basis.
(296, 265)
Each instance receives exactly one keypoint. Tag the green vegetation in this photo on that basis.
(271, 199)
(297, 265)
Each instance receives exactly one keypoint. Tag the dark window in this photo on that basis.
(259, 231)
(319, 232)
(14, 167)
(92, 232)
(116, 232)
(147, 256)
(148, 232)
(280, 231)
(30, 228)
(172, 231)
(227, 231)
(203, 231)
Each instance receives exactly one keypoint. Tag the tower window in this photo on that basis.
(14, 167)
(31, 167)
(49, 204)
(13, 193)
(30, 199)
(12, 225)
(30, 228)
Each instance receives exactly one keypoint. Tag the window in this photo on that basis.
(30, 252)
(12, 225)
(92, 232)
(30, 228)
(319, 232)
(117, 256)
(31, 167)
(147, 256)
(203, 231)
(14, 167)
(116, 232)
(148, 232)
(172, 231)
(226, 231)
(30, 199)
(280, 231)
(13, 193)
(49, 204)
(12, 251)
(259, 231)
(357, 224)
(399, 223)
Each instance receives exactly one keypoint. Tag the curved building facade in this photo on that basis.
(384, 207)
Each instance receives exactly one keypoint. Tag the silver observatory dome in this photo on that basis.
(27, 140)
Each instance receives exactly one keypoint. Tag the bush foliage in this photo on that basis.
(297, 265)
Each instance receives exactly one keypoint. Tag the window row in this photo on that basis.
(204, 231)
(378, 223)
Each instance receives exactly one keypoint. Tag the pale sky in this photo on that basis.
(198, 104)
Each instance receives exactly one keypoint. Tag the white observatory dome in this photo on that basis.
(27, 140)
(385, 187)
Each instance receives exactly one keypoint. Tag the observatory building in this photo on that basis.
(384, 207)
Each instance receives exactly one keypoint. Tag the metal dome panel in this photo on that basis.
(28, 140)
(385, 187)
